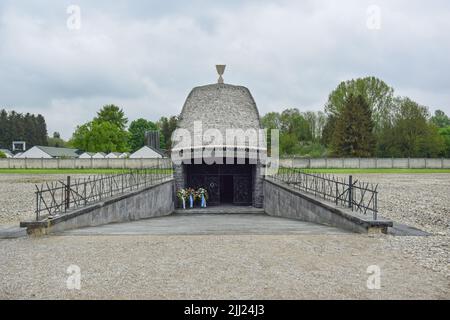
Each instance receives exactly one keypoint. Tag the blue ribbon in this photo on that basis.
(203, 201)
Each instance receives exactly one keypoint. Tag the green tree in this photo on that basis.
(113, 114)
(100, 136)
(16, 126)
(167, 126)
(411, 134)
(293, 123)
(56, 141)
(137, 131)
(5, 132)
(270, 121)
(445, 134)
(440, 119)
(328, 130)
(354, 135)
(378, 95)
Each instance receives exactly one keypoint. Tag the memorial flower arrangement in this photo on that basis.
(202, 194)
(182, 194)
(191, 195)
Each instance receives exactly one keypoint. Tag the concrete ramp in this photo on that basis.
(281, 200)
(210, 224)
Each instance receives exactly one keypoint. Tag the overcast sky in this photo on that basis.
(146, 56)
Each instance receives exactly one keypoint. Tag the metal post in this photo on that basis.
(350, 192)
(337, 194)
(67, 193)
(37, 206)
(84, 192)
(375, 212)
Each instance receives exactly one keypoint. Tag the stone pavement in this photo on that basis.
(216, 224)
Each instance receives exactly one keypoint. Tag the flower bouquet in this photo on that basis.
(202, 194)
(182, 194)
(191, 196)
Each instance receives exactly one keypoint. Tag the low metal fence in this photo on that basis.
(359, 196)
(56, 198)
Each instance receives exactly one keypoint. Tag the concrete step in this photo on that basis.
(12, 232)
(221, 210)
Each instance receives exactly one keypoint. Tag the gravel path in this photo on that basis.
(232, 266)
(213, 267)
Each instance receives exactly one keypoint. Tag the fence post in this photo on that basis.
(37, 206)
(67, 193)
(375, 212)
(337, 194)
(350, 192)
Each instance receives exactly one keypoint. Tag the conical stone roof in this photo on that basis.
(219, 106)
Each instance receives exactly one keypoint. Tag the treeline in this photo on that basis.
(108, 132)
(363, 118)
(22, 127)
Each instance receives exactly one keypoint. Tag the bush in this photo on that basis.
(2, 155)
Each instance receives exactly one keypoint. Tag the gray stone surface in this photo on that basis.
(209, 224)
(283, 201)
(11, 232)
(221, 107)
(153, 201)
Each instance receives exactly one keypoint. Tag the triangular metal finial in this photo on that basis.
(220, 70)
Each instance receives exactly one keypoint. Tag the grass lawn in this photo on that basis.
(383, 171)
(109, 171)
(67, 171)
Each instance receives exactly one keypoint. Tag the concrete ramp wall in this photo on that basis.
(282, 201)
(153, 201)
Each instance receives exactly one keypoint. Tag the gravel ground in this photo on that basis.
(17, 200)
(213, 267)
(419, 200)
(252, 266)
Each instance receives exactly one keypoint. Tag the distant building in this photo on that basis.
(98, 155)
(38, 152)
(19, 146)
(147, 152)
(8, 153)
(124, 155)
(86, 155)
(17, 155)
(113, 155)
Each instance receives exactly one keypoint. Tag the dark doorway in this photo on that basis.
(226, 183)
(227, 188)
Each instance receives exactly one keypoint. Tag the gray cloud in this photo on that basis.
(147, 57)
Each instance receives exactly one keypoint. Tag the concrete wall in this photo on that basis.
(153, 201)
(366, 163)
(28, 163)
(282, 201)
(394, 163)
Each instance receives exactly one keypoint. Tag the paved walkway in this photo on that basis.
(200, 224)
